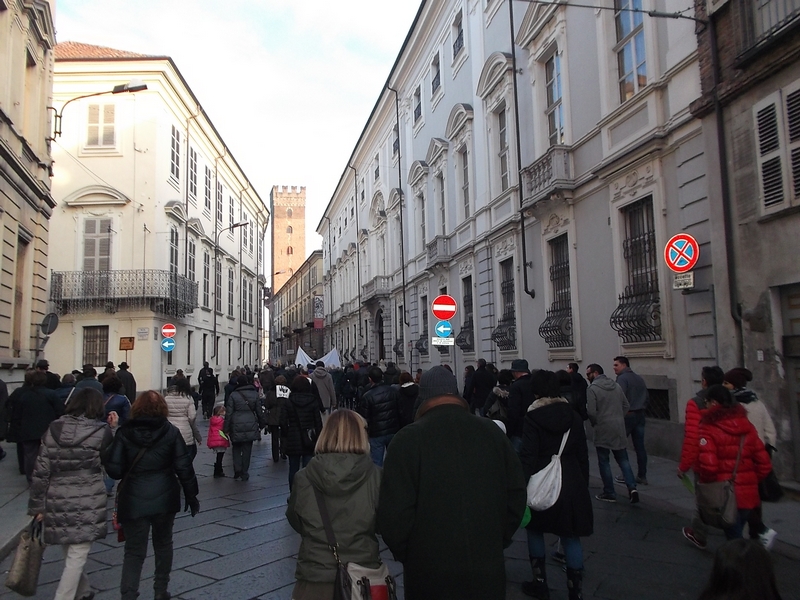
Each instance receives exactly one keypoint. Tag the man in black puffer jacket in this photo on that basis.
(379, 407)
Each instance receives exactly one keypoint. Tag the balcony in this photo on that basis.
(422, 345)
(438, 252)
(161, 292)
(466, 338)
(550, 174)
(398, 348)
(375, 289)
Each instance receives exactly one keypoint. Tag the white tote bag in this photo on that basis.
(544, 487)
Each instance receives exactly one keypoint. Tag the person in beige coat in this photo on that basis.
(183, 414)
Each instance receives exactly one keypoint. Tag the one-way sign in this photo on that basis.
(444, 328)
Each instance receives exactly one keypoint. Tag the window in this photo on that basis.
(421, 221)
(458, 34)
(289, 213)
(260, 246)
(173, 250)
(463, 163)
(219, 203)
(192, 174)
(97, 244)
(230, 292)
(191, 249)
(439, 180)
(436, 75)
(765, 19)
(377, 168)
(502, 147)
(466, 337)
(777, 120)
(251, 237)
(189, 347)
(101, 130)
(250, 312)
(505, 334)
(218, 286)
(417, 104)
(423, 302)
(631, 60)
(637, 318)
(556, 329)
(289, 250)
(95, 345)
(206, 279)
(363, 191)
(245, 232)
(289, 229)
(175, 155)
(207, 195)
(555, 108)
(395, 142)
(231, 215)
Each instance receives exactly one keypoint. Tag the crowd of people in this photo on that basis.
(386, 452)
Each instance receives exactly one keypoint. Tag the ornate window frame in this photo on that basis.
(459, 132)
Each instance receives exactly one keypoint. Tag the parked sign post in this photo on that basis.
(444, 308)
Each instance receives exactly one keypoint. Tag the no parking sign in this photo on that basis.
(681, 253)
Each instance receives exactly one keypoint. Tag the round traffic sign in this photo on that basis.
(167, 344)
(168, 330)
(444, 307)
(681, 253)
(443, 329)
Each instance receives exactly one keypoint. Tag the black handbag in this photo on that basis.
(716, 501)
(770, 489)
(23, 576)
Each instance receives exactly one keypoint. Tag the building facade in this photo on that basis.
(749, 109)
(27, 38)
(537, 180)
(157, 224)
(297, 315)
(288, 209)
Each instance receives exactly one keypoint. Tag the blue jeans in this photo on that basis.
(604, 464)
(516, 442)
(634, 427)
(294, 465)
(571, 545)
(735, 531)
(377, 448)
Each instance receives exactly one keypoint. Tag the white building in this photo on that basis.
(148, 225)
(539, 194)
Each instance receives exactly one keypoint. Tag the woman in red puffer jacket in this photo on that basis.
(721, 429)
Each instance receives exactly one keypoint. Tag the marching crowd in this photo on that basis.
(438, 469)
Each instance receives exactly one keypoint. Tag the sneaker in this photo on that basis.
(606, 497)
(688, 533)
(767, 538)
(642, 480)
(634, 497)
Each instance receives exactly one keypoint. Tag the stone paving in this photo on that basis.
(240, 547)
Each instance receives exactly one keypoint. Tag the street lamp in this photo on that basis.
(218, 273)
(134, 85)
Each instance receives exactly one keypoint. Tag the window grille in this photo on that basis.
(95, 345)
(436, 75)
(466, 337)
(637, 318)
(556, 329)
(458, 44)
(505, 334)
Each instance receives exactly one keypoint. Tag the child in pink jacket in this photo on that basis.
(217, 440)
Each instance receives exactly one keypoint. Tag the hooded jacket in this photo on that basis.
(407, 395)
(241, 423)
(606, 405)
(350, 484)
(322, 387)
(379, 407)
(720, 431)
(758, 414)
(68, 483)
(153, 487)
(695, 408)
(182, 414)
(546, 422)
(300, 413)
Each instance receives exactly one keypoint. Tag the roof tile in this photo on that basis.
(77, 50)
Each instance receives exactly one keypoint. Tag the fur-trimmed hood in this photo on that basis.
(551, 414)
(501, 392)
(542, 402)
(731, 419)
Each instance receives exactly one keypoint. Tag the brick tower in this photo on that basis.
(288, 232)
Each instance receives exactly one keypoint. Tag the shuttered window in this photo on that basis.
(100, 130)
(777, 120)
(97, 244)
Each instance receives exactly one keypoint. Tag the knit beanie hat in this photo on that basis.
(437, 381)
(738, 377)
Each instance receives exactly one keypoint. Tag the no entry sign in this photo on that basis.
(681, 253)
(168, 330)
(444, 307)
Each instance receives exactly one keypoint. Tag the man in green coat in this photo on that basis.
(452, 495)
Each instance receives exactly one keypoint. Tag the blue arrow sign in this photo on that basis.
(443, 328)
(167, 344)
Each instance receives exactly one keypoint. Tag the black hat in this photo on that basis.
(109, 365)
(437, 381)
(123, 365)
(519, 365)
(43, 364)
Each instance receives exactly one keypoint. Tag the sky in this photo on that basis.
(288, 84)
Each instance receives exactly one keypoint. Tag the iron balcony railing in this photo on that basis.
(637, 318)
(556, 329)
(505, 334)
(160, 291)
(422, 345)
(764, 20)
(466, 338)
(398, 347)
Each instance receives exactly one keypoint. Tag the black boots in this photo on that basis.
(575, 584)
(218, 472)
(538, 587)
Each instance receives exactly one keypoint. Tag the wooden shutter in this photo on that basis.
(96, 244)
(793, 122)
(770, 147)
(108, 125)
(100, 125)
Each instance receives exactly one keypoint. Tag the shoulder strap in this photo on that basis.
(563, 442)
(326, 522)
(128, 472)
(738, 457)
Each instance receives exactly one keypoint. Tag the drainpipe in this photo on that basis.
(358, 252)
(529, 291)
(402, 237)
(730, 255)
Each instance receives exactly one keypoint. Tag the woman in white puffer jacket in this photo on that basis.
(183, 414)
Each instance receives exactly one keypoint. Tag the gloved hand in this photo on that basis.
(193, 505)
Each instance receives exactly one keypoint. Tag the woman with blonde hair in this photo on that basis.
(343, 472)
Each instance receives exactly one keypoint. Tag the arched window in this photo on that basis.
(289, 229)
(289, 250)
(289, 212)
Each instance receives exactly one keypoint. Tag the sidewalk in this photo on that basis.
(13, 501)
